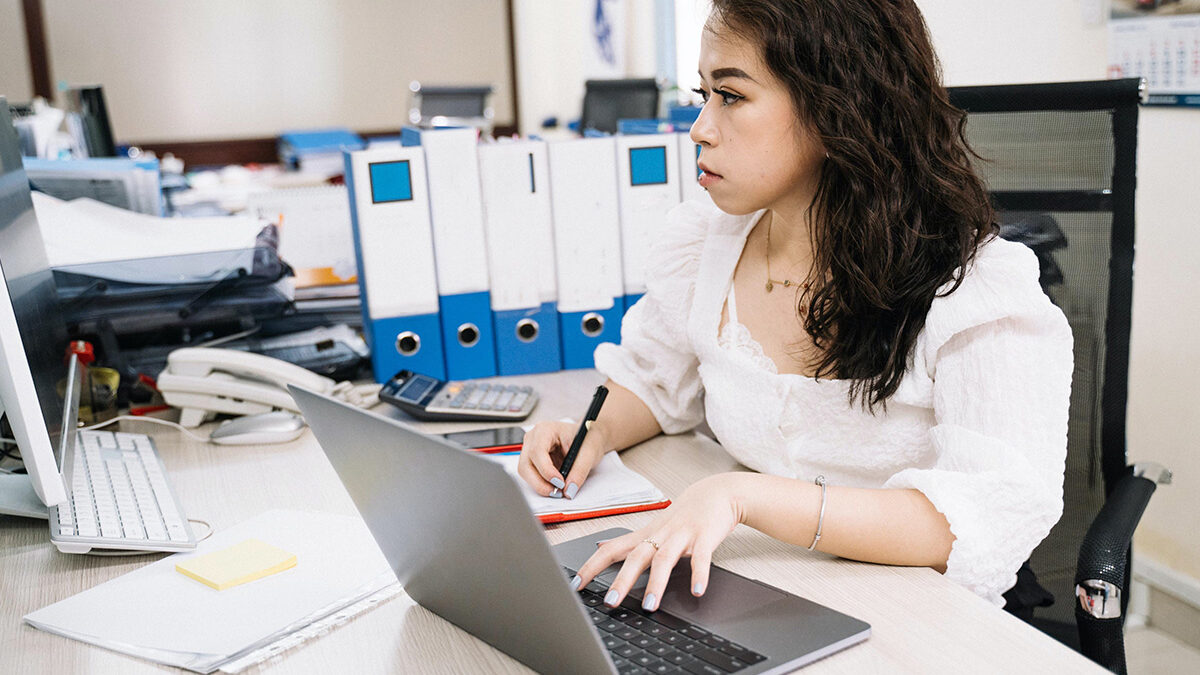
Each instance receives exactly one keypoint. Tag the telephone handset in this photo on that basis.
(204, 381)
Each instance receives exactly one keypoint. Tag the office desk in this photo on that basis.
(920, 622)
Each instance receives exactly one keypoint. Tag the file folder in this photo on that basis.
(648, 182)
(689, 169)
(393, 246)
(520, 245)
(587, 245)
(460, 250)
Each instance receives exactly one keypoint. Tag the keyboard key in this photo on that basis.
(742, 654)
(644, 660)
(699, 667)
(721, 660)
(694, 632)
(626, 650)
(715, 641)
(625, 633)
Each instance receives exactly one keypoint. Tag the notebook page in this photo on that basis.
(610, 484)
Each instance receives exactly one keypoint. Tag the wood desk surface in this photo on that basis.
(920, 622)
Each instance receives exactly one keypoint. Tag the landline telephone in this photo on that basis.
(204, 381)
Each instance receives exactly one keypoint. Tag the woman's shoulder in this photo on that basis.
(677, 248)
(1002, 280)
(693, 220)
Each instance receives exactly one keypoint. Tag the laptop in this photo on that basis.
(465, 545)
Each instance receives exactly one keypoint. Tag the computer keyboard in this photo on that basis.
(659, 642)
(119, 498)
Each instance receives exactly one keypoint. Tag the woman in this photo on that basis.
(848, 322)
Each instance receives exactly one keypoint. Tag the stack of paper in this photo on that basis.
(611, 488)
(158, 614)
(87, 231)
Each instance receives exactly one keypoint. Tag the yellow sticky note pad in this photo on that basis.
(251, 559)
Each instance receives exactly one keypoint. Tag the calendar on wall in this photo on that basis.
(1160, 41)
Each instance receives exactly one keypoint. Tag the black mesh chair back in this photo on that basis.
(606, 101)
(1060, 163)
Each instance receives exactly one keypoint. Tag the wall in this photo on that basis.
(15, 84)
(556, 53)
(233, 69)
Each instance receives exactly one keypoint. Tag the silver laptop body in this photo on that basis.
(464, 544)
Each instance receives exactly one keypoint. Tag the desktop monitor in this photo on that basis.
(442, 106)
(33, 337)
(606, 101)
(87, 119)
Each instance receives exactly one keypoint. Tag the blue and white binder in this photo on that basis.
(456, 212)
(520, 241)
(393, 245)
(689, 169)
(648, 185)
(587, 245)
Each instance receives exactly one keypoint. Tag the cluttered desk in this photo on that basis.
(919, 620)
(288, 553)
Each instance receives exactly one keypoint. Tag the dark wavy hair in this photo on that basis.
(899, 211)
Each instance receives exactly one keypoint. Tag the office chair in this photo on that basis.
(1060, 163)
(606, 101)
(461, 106)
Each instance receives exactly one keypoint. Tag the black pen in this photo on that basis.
(592, 413)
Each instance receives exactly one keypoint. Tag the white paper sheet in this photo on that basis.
(86, 231)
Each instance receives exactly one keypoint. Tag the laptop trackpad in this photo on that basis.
(728, 595)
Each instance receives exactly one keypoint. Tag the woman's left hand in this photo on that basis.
(695, 524)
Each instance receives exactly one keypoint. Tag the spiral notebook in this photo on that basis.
(611, 488)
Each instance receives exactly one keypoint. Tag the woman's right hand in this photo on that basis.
(542, 453)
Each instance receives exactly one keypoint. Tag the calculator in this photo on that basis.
(428, 398)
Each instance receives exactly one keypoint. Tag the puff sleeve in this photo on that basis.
(655, 359)
(999, 354)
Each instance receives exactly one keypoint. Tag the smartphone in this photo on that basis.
(498, 439)
(429, 398)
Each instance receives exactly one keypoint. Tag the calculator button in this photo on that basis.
(490, 399)
(475, 397)
(503, 401)
(517, 402)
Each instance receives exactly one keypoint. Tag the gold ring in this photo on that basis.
(651, 542)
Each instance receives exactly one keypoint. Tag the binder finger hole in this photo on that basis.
(468, 335)
(527, 330)
(408, 343)
(592, 324)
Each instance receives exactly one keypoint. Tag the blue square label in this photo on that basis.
(391, 182)
(648, 166)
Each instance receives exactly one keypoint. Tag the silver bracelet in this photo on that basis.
(820, 517)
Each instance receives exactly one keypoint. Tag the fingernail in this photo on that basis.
(611, 598)
(555, 494)
(557, 482)
(698, 589)
(576, 582)
(649, 603)
(572, 489)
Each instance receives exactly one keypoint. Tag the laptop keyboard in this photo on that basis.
(658, 642)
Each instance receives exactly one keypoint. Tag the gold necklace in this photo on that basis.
(771, 282)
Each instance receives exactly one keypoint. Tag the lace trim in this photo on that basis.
(736, 337)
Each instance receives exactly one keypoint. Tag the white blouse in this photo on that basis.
(978, 424)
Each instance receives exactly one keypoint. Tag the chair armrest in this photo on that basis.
(1100, 576)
